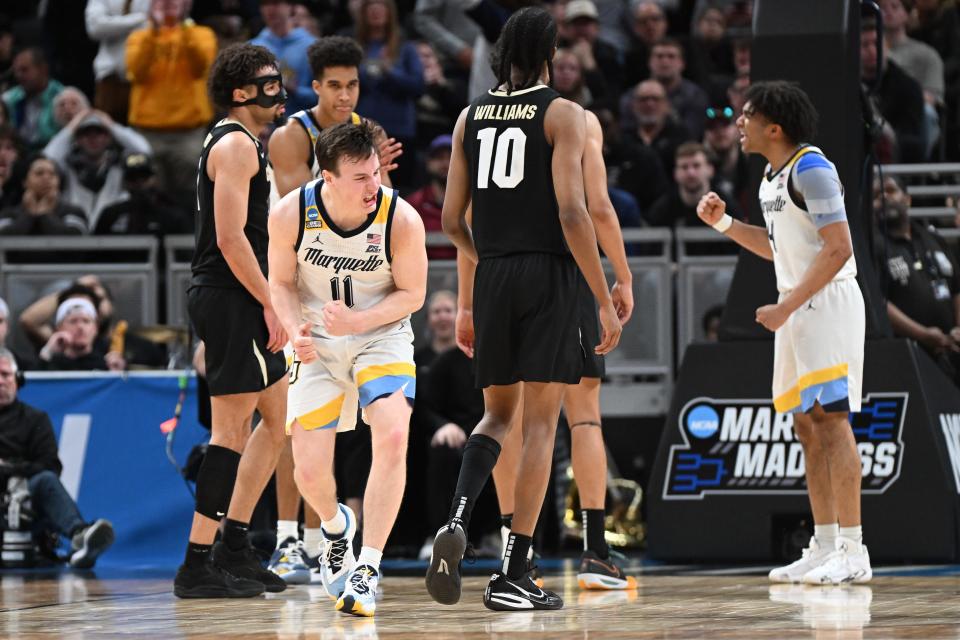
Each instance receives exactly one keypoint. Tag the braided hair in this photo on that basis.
(526, 42)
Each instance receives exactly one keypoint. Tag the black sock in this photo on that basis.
(479, 458)
(593, 527)
(506, 520)
(235, 534)
(515, 555)
(197, 554)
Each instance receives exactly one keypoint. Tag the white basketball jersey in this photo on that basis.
(352, 266)
(790, 228)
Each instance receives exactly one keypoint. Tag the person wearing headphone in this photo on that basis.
(28, 449)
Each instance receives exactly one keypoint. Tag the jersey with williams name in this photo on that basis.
(353, 265)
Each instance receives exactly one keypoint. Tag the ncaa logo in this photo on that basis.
(312, 212)
(702, 421)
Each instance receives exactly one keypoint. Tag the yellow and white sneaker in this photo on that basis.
(359, 598)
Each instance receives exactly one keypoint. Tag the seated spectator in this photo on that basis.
(30, 102)
(633, 168)
(737, 92)
(573, 83)
(289, 44)
(167, 64)
(441, 102)
(110, 22)
(28, 448)
(72, 347)
(146, 210)
(899, 96)
(6, 53)
(919, 60)
(90, 152)
(710, 323)
(923, 283)
(648, 25)
(23, 361)
(710, 54)
(938, 24)
(687, 99)
(68, 104)
(600, 61)
(693, 174)
(392, 79)
(11, 189)
(42, 210)
(428, 201)
(721, 140)
(655, 125)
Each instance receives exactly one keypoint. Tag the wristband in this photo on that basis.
(724, 223)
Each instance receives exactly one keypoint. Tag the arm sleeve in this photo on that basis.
(816, 180)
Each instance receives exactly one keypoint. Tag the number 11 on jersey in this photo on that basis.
(347, 289)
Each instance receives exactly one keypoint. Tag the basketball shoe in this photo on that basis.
(850, 562)
(443, 575)
(210, 581)
(243, 563)
(504, 594)
(289, 562)
(813, 556)
(337, 559)
(359, 596)
(598, 573)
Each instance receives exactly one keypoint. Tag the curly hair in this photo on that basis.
(785, 104)
(348, 140)
(333, 51)
(526, 42)
(235, 67)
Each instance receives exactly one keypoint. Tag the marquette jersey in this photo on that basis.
(797, 201)
(306, 120)
(511, 174)
(352, 266)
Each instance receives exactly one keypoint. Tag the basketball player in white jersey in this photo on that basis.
(348, 267)
(818, 319)
(334, 61)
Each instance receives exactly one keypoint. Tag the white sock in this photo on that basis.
(853, 533)
(336, 526)
(370, 556)
(286, 529)
(826, 535)
(312, 539)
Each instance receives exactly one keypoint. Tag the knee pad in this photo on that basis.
(218, 474)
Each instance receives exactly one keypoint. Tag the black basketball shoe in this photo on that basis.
(244, 564)
(504, 594)
(443, 575)
(210, 581)
(598, 573)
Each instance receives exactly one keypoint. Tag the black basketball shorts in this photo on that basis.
(593, 365)
(526, 320)
(230, 323)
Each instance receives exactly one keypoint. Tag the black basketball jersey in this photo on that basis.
(511, 177)
(209, 267)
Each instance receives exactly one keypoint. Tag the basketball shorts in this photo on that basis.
(230, 323)
(593, 364)
(350, 371)
(526, 320)
(818, 352)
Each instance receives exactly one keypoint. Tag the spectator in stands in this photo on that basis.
(428, 201)
(633, 168)
(648, 25)
(6, 54)
(899, 96)
(28, 448)
(451, 33)
(693, 175)
(570, 79)
(30, 102)
(737, 91)
(687, 99)
(68, 104)
(721, 140)
(741, 55)
(168, 63)
(42, 210)
(24, 361)
(655, 124)
(110, 22)
(923, 280)
(392, 79)
(598, 59)
(709, 51)
(11, 190)
(289, 44)
(442, 100)
(938, 24)
(90, 152)
(73, 345)
(711, 323)
(146, 210)
(919, 60)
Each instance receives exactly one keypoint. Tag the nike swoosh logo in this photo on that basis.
(608, 567)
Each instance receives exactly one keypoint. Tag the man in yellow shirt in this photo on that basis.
(167, 65)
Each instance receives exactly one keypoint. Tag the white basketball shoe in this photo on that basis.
(813, 556)
(849, 563)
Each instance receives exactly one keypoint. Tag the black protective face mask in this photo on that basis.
(262, 99)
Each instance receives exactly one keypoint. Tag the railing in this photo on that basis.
(919, 191)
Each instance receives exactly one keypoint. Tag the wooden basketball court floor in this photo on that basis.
(671, 602)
